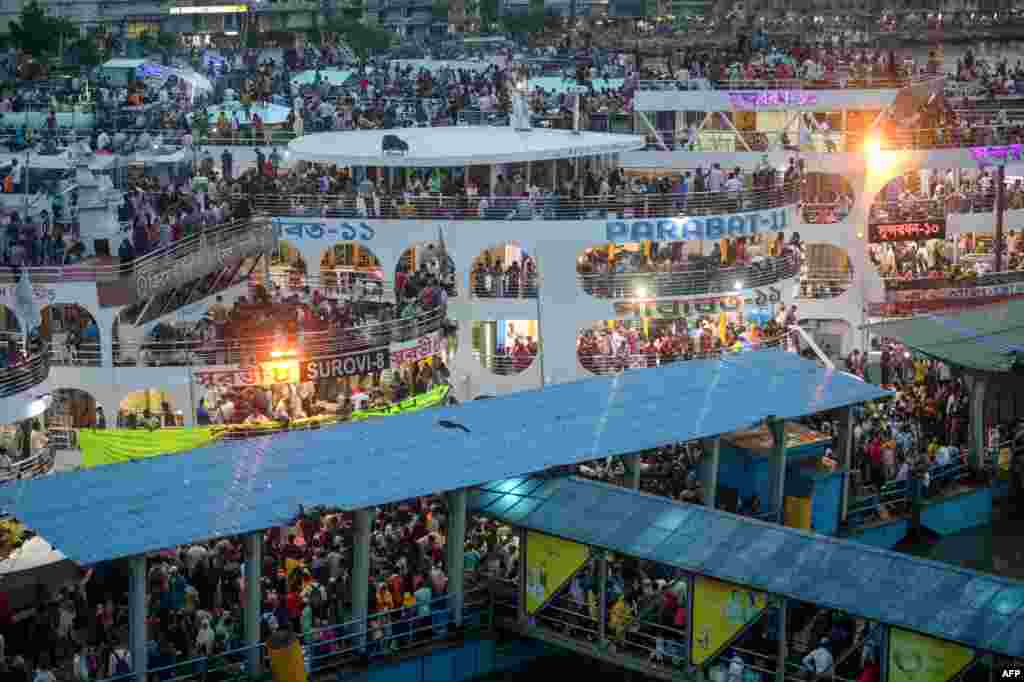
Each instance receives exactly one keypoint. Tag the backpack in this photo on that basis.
(316, 597)
(121, 666)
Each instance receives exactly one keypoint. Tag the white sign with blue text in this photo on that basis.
(323, 229)
(697, 228)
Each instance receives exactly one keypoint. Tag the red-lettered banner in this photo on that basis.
(907, 232)
(418, 349)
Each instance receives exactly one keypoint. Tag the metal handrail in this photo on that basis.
(32, 372)
(828, 82)
(651, 205)
(652, 285)
(938, 209)
(329, 647)
(35, 465)
(308, 345)
(505, 365)
(155, 260)
(896, 284)
(614, 364)
(503, 285)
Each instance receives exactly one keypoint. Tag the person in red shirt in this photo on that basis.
(871, 672)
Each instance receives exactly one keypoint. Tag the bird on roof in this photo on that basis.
(444, 423)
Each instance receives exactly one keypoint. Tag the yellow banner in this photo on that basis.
(720, 611)
(919, 658)
(550, 562)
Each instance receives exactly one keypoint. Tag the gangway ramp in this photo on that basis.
(982, 611)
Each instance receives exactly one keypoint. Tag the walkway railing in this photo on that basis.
(893, 285)
(503, 285)
(894, 498)
(31, 372)
(652, 285)
(505, 365)
(379, 636)
(614, 364)
(306, 345)
(223, 236)
(828, 82)
(823, 283)
(38, 464)
(624, 207)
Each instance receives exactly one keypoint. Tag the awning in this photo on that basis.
(986, 339)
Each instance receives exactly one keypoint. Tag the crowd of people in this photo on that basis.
(195, 609)
(623, 346)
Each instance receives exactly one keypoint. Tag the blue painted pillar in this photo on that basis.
(883, 654)
(631, 463)
(844, 457)
(522, 615)
(977, 439)
(777, 469)
(783, 646)
(253, 601)
(361, 573)
(601, 557)
(455, 549)
(709, 463)
(137, 618)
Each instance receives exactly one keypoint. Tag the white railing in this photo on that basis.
(650, 205)
(730, 280)
(312, 345)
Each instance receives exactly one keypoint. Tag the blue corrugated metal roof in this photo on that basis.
(128, 509)
(982, 611)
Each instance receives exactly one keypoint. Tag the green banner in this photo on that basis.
(111, 446)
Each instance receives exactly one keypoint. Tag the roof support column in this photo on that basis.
(455, 547)
(709, 461)
(601, 557)
(844, 456)
(777, 469)
(631, 463)
(360, 573)
(783, 651)
(253, 601)
(522, 615)
(137, 617)
(976, 440)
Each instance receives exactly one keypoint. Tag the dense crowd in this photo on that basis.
(623, 347)
(195, 607)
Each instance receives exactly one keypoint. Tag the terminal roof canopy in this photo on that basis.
(243, 486)
(938, 599)
(984, 339)
(457, 146)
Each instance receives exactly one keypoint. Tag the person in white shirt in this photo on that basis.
(819, 661)
(736, 667)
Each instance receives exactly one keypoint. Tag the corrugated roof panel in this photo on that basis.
(102, 513)
(932, 598)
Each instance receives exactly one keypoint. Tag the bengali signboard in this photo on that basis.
(262, 374)
(772, 99)
(908, 301)
(672, 309)
(906, 232)
(175, 268)
(919, 658)
(720, 612)
(419, 349)
(1001, 155)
